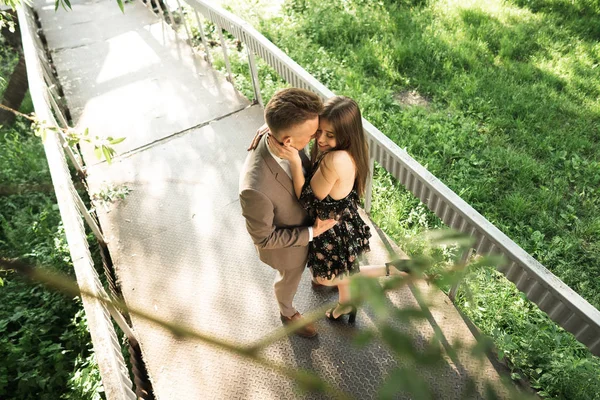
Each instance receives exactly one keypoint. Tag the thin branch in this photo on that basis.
(20, 114)
(67, 286)
(280, 333)
(32, 118)
(9, 190)
(313, 316)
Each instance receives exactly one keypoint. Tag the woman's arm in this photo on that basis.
(297, 175)
(325, 177)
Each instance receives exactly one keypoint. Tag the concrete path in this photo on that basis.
(178, 239)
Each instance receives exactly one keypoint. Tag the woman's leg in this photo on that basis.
(376, 271)
(343, 284)
(344, 298)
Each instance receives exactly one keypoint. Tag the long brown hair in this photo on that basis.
(343, 113)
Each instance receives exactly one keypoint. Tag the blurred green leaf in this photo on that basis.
(64, 3)
(107, 154)
(309, 382)
(401, 343)
(404, 381)
(449, 237)
(484, 345)
(491, 393)
(363, 337)
(407, 314)
(366, 288)
(117, 140)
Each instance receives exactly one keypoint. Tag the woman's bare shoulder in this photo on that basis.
(339, 157)
(340, 161)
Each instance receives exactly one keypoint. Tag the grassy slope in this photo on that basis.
(515, 115)
(512, 127)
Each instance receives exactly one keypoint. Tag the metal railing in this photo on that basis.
(563, 305)
(114, 372)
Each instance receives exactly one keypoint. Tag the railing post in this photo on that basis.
(185, 26)
(158, 8)
(56, 108)
(204, 42)
(171, 18)
(88, 218)
(75, 158)
(149, 4)
(224, 47)
(463, 262)
(119, 319)
(369, 185)
(254, 75)
(72, 156)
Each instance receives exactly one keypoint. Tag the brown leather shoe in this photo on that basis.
(306, 331)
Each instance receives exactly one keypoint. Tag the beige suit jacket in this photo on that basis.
(275, 220)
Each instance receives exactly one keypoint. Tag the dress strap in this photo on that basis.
(318, 160)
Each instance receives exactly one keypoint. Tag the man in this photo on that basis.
(277, 223)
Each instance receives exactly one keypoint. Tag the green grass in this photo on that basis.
(514, 120)
(512, 125)
(45, 347)
(552, 360)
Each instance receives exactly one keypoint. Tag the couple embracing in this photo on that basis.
(303, 212)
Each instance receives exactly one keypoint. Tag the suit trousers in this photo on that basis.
(286, 285)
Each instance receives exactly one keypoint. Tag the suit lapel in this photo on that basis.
(278, 172)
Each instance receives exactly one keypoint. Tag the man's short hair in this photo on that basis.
(292, 106)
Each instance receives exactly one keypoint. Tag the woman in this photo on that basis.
(332, 190)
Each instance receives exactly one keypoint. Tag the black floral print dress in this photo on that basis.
(336, 251)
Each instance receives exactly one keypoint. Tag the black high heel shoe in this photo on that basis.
(351, 314)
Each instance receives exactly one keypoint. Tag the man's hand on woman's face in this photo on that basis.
(282, 151)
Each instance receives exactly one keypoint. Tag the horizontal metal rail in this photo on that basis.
(563, 305)
(115, 376)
